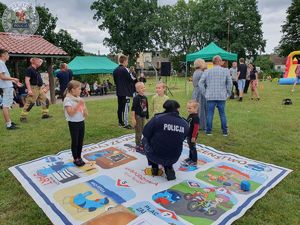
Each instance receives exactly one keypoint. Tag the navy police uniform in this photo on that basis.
(163, 138)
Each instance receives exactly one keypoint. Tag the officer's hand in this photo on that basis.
(193, 140)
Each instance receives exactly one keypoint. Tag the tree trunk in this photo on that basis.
(51, 80)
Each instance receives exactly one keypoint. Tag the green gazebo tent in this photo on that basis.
(208, 52)
(81, 65)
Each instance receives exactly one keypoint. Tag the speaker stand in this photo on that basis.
(168, 89)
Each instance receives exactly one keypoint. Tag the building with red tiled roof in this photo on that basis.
(23, 47)
(29, 45)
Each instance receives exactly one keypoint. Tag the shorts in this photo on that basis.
(241, 84)
(253, 84)
(8, 97)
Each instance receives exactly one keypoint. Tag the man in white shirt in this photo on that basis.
(6, 84)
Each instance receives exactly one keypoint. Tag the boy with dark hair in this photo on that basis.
(193, 120)
(139, 114)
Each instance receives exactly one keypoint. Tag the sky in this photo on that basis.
(76, 17)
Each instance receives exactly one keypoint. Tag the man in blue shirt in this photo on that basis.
(163, 138)
(6, 84)
(64, 76)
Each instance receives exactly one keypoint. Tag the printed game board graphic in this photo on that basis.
(86, 200)
(109, 157)
(230, 176)
(116, 215)
(116, 186)
(196, 202)
(55, 171)
(168, 216)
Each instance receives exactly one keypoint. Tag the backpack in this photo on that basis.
(287, 101)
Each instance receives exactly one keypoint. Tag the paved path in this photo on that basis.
(100, 97)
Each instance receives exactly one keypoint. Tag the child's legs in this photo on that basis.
(74, 132)
(80, 138)
(193, 151)
(138, 129)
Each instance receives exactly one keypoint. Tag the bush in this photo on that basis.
(272, 73)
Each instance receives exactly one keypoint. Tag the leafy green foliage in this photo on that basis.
(130, 23)
(47, 24)
(72, 46)
(290, 40)
(2, 8)
(191, 25)
(264, 62)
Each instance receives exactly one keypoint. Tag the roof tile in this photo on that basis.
(28, 44)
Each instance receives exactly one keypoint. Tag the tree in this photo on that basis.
(264, 62)
(197, 23)
(65, 41)
(2, 8)
(47, 24)
(290, 40)
(130, 23)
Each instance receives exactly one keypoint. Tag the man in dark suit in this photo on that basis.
(123, 82)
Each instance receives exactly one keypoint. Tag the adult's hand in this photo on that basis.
(30, 93)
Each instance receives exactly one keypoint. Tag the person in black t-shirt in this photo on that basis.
(193, 120)
(34, 83)
(64, 76)
(242, 73)
(253, 81)
(139, 114)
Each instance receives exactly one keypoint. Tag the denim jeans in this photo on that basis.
(210, 115)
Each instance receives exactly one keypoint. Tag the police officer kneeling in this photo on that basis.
(163, 139)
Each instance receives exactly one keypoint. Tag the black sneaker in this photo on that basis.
(140, 149)
(46, 116)
(15, 124)
(170, 174)
(12, 127)
(121, 125)
(240, 99)
(186, 161)
(129, 127)
(81, 162)
(77, 162)
(23, 120)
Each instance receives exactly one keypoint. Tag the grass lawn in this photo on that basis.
(266, 131)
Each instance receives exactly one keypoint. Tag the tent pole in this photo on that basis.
(186, 64)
